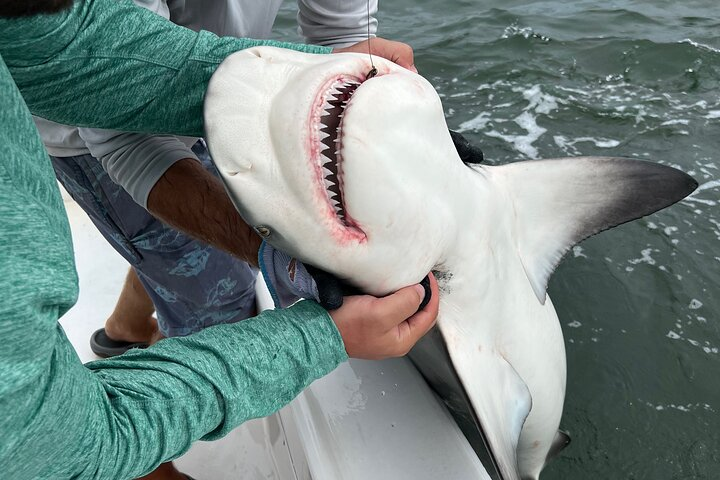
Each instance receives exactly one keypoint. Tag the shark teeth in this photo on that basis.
(330, 138)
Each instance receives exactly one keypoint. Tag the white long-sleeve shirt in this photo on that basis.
(137, 161)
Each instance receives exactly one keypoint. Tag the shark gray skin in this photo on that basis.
(359, 177)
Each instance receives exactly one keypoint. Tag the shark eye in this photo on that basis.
(263, 231)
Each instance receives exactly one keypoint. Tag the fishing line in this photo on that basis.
(373, 70)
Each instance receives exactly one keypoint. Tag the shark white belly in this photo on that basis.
(368, 185)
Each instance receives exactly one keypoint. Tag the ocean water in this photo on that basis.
(638, 304)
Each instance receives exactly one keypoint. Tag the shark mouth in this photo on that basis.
(333, 103)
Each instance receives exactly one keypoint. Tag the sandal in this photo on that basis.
(105, 347)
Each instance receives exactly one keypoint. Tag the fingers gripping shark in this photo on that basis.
(367, 185)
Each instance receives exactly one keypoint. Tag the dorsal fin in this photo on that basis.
(560, 202)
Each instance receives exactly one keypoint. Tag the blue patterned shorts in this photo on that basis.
(191, 284)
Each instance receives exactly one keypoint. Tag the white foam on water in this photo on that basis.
(679, 121)
(524, 143)
(641, 104)
(706, 348)
(573, 90)
(564, 142)
(521, 143)
(578, 252)
(702, 104)
(542, 104)
(695, 304)
(538, 100)
(641, 113)
(574, 324)
(687, 408)
(691, 198)
(706, 172)
(602, 143)
(539, 103)
(700, 46)
(707, 185)
(492, 86)
(526, 32)
(645, 258)
(475, 124)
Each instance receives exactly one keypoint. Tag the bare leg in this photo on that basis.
(132, 320)
(166, 471)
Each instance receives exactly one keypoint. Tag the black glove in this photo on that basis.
(331, 289)
(468, 152)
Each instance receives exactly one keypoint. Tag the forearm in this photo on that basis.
(132, 69)
(204, 385)
(190, 199)
(120, 418)
(163, 175)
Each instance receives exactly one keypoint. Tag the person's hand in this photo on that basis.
(397, 52)
(375, 328)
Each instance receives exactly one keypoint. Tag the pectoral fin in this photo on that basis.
(559, 202)
(485, 395)
(501, 402)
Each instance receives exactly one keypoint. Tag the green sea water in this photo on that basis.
(638, 304)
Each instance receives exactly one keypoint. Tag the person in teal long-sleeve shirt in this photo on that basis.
(120, 418)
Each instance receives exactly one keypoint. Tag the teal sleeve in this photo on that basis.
(118, 418)
(111, 64)
(153, 404)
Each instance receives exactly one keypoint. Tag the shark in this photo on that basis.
(358, 176)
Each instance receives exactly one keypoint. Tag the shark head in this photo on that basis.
(360, 178)
(319, 151)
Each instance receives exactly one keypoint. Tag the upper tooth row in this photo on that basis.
(328, 183)
(338, 88)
